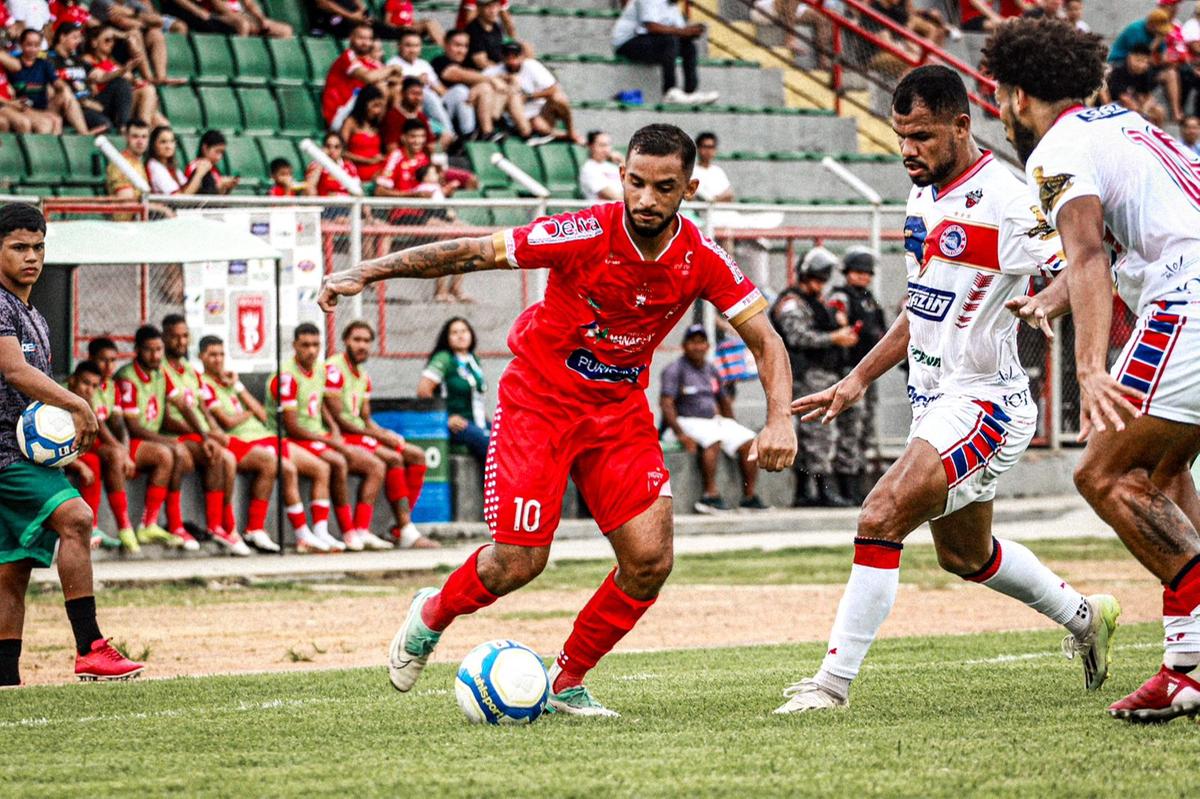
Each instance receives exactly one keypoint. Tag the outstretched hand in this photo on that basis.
(830, 403)
(345, 283)
(1031, 311)
(1104, 402)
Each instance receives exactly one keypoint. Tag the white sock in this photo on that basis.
(870, 594)
(1016, 572)
(321, 528)
(1181, 619)
(409, 534)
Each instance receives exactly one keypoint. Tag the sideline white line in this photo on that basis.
(240, 707)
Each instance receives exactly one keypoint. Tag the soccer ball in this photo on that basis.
(502, 682)
(46, 435)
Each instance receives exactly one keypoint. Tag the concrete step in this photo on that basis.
(804, 181)
(750, 85)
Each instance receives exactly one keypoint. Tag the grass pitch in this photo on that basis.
(994, 715)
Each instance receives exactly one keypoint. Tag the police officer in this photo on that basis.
(855, 305)
(816, 345)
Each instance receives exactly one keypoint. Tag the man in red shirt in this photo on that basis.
(573, 403)
(399, 175)
(981, 15)
(407, 101)
(353, 69)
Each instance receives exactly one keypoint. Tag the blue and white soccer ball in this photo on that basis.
(46, 435)
(502, 682)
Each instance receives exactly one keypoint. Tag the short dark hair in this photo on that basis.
(409, 82)
(333, 134)
(407, 33)
(938, 88)
(706, 136)
(26, 32)
(99, 345)
(21, 216)
(138, 123)
(172, 319)
(1140, 49)
(280, 163)
(450, 34)
(366, 25)
(87, 368)
(357, 324)
(1049, 59)
(662, 139)
(305, 329)
(144, 334)
(413, 124)
(211, 138)
(425, 170)
(210, 341)
(592, 135)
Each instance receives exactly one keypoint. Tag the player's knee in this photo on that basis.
(877, 521)
(517, 566)
(289, 469)
(958, 563)
(75, 521)
(1094, 482)
(648, 570)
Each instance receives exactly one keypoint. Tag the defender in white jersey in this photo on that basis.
(973, 239)
(1106, 176)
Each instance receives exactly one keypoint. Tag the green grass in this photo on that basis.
(930, 718)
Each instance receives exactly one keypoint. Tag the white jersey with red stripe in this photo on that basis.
(970, 248)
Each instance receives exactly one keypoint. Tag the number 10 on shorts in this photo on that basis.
(528, 515)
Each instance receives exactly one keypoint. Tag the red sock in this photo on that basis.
(257, 517)
(227, 519)
(91, 493)
(320, 511)
(362, 516)
(344, 517)
(175, 510)
(119, 502)
(463, 593)
(214, 504)
(414, 475)
(155, 496)
(1181, 616)
(604, 621)
(394, 487)
(295, 514)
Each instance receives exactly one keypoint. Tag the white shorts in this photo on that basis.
(1162, 360)
(977, 440)
(719, 429)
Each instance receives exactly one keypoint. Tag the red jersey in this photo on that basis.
(6, 92)
(341, 85)
(968, 12)
(400, 171)
(393, 128)
(61, 12)
(229, 5)
(328, 185)
(606, 307)
(278, 191)
(399, 13)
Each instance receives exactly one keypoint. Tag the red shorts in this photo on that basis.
(369, 443)
(610, 450)
(241, 448)
(134, 443)
(317, 448)
(190, 438)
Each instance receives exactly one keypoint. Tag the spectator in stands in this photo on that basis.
(121, 96)
(66, 12)
(714, 183)
(655, 32)
(1151, 34)
(73, 70)
(407, 102)
(411, 65)
(137, 141)
(1189, 134)
(208, 157)
(487, 36)
(469, 9)
(474, 100)
(339, 17)
(18, 117)
(1073, 10)
(453, 373)
(362, 132)
(925, 24)
(320, 182)
(162, 166)
(142, 28)
(283, 179)
(600, 175)
(399, 19)
(1045, 8)
(398, 178)
(976, 16)
(37, 83)
(432, 184)
(545, 102)
(353, 69)
(699, 415)
(1132, 85)
(246, 18)
(29, 15)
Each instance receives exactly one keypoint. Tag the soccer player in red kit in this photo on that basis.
(572, 402)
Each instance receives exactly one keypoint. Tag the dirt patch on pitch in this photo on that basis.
(347, 631)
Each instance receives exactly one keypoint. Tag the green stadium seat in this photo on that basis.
(12, 158)
(321, 53)
(83, 161)
(187, 146)
(430, 51)
(579, 154)
(75, 191)
(479, 215)
(214, 59)
(561, 177)
(46, 159)
(290, 64)
(525, 159)
(506, 217)
(181, 59)
(182, 107)
(221, 111)
(290, 11)
(252, 61)
(479, 153)
(259, 111)
(26, 190)
(299, 115)
(245, 160)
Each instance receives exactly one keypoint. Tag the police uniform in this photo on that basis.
(856, 439)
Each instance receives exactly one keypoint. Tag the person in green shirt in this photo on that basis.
(455, 374)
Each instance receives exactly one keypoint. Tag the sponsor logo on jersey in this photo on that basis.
(1051, 187)
(929, 303)
(953, 241)
(586, 364)
(973, 197)
(921, 400)
(594, 331)
(1103, 112)
(923, 358)
(28, 346)
(551, 231)
(1041, 230)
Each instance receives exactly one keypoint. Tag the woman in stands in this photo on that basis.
(454, 373)
(162, 165)
(361, 132)
(111, 83)
(319, 182)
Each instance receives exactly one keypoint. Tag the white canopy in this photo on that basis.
(169, 241)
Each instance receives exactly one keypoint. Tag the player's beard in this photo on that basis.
(1024, 140)
(647, 232)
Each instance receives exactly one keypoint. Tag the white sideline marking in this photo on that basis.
(637, 677)
(240, 707)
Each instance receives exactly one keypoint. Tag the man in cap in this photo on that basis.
(816, 343)
(855, 305)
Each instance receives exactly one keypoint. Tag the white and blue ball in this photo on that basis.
(46, 435)
(502, 682)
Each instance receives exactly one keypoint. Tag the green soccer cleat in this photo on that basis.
(576, 700)
(410, 649)
(153, 534)
(106, 540)
(1095, 648)
(129, 541)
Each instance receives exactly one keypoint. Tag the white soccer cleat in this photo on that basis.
(372, 542)
(1095, 648)
(353, 540)
(310, 542)
(332, 544)
(576, 700)
(260, 541)
(412, 645)
(806, 695)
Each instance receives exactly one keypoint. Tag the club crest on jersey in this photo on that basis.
(973, 197)
(550, 231)
(1051, 187)
(929, 303)
(953, 241)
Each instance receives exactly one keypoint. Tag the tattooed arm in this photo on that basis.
(454, 257)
